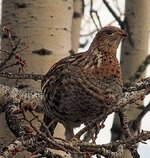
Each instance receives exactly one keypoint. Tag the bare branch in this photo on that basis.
(21, 76)
(29, 98)
(117, 6)
(126, 131)
(127, 143)
(14, 46)
(140, 69)
(20, 144)
(95, 12)
(113, 13)
(142, 114)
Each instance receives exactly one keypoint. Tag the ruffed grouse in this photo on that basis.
(79, 88)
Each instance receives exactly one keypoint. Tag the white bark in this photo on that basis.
(134, 48)
(76, 23)
(40, 25)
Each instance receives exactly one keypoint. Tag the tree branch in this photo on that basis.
(127, 143)
(12, 100)
(91, 14)
(140, 69)
(114, 14)
(13, 52)
(21, 76)
(28, 98)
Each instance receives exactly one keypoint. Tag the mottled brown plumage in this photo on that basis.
(79, 88)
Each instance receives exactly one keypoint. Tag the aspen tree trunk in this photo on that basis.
(46, 28)
(133, 52)
(40, 25)
(76, 23)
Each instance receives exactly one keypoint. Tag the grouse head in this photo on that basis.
(108, 38)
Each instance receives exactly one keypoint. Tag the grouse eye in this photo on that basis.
(109, 32)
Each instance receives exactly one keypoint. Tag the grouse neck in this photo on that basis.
(101, 52)
(103, 47)
(101, 56)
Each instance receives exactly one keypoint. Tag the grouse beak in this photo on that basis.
(123, 33)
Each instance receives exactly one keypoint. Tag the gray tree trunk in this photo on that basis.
(133, 51)
(45, 27)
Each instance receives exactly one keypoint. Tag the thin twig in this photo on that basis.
(113, 13)
(91, 14)
(126, 131)
(142, 114)
(140, 70)
(32, 76)
(13, 52)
